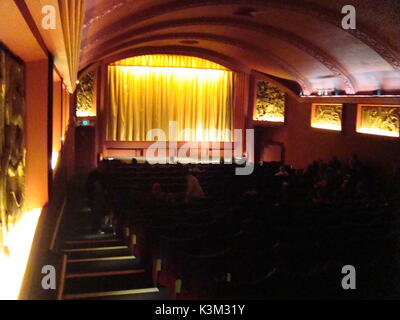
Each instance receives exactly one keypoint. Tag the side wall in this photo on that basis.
(36, 183)
(303, 144)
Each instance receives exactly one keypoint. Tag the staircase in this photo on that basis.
(102, 267)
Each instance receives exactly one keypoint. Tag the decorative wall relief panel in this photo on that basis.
(12, 146)
(327, 116)
(85, 106)
(383, 120)
(270, 103)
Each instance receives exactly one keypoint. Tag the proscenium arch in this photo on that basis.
(225, 61)
(304, 83)
(206, 54)
(268, 30)
(334, 18)
(213, 56)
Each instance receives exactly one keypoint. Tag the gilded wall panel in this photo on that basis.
(270, 103)
(379, 120)
(85, 106)
(327, 116)
(12, 146)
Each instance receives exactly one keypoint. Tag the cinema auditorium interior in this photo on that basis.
(199, 149)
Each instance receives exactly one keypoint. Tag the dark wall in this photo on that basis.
(304, 144)
(85, 147)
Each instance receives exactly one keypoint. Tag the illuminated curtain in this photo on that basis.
(72, 17)
(176, 61)
(142, 98)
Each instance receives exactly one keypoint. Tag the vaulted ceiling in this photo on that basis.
(295, 40)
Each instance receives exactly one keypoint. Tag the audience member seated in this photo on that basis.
(134, 162)
(282, 172)
(327, 214)
(159, 197)
(194, 191)
(101, 210)
(96, 176)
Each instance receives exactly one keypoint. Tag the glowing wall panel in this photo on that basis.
(14, 260)
(270, 103)
(383, 120)
(327, 116)
(17, 220)
(12, 145)
(85, 97)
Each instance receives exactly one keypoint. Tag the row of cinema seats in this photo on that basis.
(218, 181)
(259, 249)
(247, 255)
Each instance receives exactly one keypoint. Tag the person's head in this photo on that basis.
(354, 162)
(334, 160)
(147, 164)
(134, 162)
(97, 186)
(103, 165)
(156, 187)
(185, 171)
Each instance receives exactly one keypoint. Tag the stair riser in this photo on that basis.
(162, 295)
(93, 244)
(100, 266)
(107, 283)
(98, 253)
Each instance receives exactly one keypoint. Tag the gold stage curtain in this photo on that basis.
(145, 98)
(172, 61)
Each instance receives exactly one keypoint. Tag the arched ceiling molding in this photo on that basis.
(304, 83)
(361, 32)
(317, 53)
(211, 55)
(105, 13)
(87, 69)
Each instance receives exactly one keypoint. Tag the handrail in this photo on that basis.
(57, 227)
(61, 284)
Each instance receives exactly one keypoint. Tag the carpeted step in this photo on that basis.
(76, 244)
(92, 236)
(105, 283)
(97, 252)
(161, 294)
(103, 264)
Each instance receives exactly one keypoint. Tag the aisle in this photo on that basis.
(101, 266)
